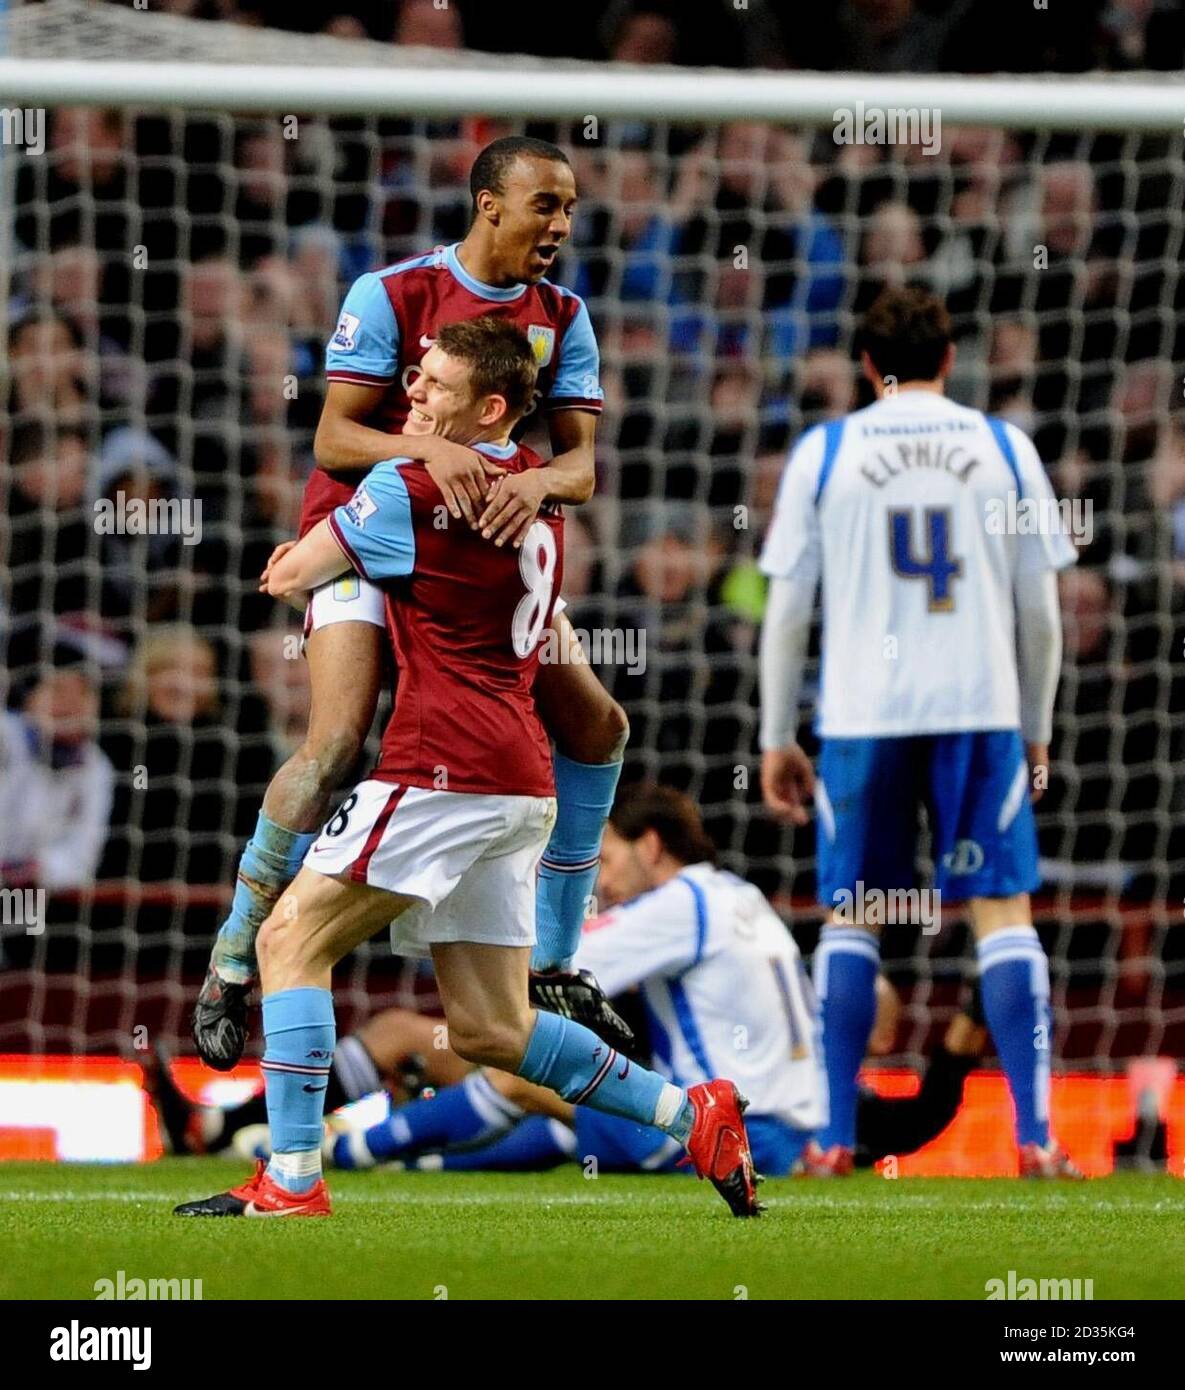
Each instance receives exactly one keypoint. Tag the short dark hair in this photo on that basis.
(493, 163)
(499, 355)
(906, 333)
(672, 816)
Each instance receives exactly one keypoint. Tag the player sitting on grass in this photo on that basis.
(724, 991)
(510, 1126)
(739, 993)
(941, 649)
(523, 192)
(465, 1111)
(443, 841)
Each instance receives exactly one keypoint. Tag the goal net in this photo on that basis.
(186, 203)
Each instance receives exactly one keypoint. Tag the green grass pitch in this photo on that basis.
(560, 1235)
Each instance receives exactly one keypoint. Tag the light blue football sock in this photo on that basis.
(568, 870)
(571, 1060)
(268, 865)
(1014, 984)
(300, 1032)
(472, 1112)
(845, 966)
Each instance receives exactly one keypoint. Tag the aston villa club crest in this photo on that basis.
(542, 340)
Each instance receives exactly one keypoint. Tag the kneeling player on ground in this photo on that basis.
(444, 840)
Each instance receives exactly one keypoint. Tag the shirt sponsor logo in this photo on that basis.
(542, 340)
(344, 335)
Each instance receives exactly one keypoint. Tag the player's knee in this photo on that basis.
(331, 756)
(271, 942)
(280, 944)
(616, 732)
(488, 1042)
(601, 738)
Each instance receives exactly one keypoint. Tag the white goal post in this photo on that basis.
(495, 89)
(70, 52)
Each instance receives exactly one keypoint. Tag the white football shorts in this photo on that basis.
(470, 858)
(347, 599)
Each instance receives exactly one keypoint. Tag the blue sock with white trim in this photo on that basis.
(300, 1032)
(472, 1112)
(1014, 985)
(845, 966)
(571, 1060)
(568, 870)
(271, 858)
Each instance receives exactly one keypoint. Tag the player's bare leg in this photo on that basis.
(392, 1036)
(316, 922)
(472, 1107)
(484, 992)
(294, 807)
(590, 731)
(491, 1022)
(395, 1050)
(533, 1100)
(586, 722)
(1014, 982)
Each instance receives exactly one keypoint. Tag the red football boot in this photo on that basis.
(1052, 1161)
(261, 1195)
(816, 1162)
(719, 1147)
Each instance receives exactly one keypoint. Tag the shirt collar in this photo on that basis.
(915, 400)
(497, 451)
(478, 287)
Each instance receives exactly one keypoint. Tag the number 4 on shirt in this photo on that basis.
(937, 567)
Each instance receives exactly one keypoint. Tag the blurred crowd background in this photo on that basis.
(174, 278)
(974, 36)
